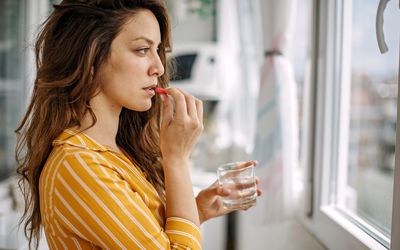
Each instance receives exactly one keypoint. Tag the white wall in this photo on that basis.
(187, 26)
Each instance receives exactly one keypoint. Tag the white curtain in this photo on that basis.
(258, 110)
(276, 144)
(239, 45)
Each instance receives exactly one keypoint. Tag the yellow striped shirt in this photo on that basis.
(92, 197)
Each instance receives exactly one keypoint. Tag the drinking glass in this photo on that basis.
(240, 180)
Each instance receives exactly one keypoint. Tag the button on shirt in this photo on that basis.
(93, 197)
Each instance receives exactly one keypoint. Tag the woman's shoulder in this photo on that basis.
(72, 148)
(70, 161)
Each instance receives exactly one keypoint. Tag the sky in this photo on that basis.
(366, 55)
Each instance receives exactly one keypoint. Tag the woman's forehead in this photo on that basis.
(142, 25)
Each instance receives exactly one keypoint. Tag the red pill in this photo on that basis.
(161, 90)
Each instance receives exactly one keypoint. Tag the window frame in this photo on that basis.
(330, 63)
(395, 241)
(35, 12)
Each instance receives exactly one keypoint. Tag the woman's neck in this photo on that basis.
(105, 129)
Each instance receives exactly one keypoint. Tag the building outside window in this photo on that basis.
(373, 115)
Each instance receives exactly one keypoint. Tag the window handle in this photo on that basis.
(379, 26)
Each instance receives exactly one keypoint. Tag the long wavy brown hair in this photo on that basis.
(73, 42)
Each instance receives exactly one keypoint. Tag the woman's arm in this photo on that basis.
(179, 191)
(182, 123)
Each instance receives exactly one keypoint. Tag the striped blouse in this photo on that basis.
(92, 197)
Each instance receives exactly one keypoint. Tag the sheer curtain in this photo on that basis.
(258, 113)
(239, 48)
(276, 140)
(276, 144)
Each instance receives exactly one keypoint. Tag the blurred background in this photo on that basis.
(251, 62)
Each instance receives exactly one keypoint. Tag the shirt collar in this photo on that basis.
(79, 139)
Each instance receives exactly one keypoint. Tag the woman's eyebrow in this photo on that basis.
(148, 40)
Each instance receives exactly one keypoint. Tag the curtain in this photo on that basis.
(239, 44)
(276, 143)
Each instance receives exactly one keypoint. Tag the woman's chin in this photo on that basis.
(140, 108)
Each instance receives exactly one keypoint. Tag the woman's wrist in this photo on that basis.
(172, 162)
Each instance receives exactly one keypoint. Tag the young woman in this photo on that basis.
(103, 159)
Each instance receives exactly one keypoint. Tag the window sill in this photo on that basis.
(336, 231)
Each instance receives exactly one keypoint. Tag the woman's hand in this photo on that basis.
(209, 201)
(182, 124)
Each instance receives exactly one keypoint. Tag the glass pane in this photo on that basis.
(11, 79)
(372, 133)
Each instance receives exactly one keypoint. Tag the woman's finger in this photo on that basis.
(199, 108)
(244, 208)
(167, 111)
(190, 104)
(180, 102)
(246, 164)
(221, 191)
(242, 185)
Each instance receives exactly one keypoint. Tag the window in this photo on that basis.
(12, 86)
(368, 191)
(19, 22)
(351, 125)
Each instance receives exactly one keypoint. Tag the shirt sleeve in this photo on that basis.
(93, 201)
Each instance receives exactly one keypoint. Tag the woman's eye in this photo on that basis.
(142, 51)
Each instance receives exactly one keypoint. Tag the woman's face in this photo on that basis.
(128, 77)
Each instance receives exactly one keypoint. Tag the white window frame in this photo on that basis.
(395, 241)
(330, 225)
(36, 13)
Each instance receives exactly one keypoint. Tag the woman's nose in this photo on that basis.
(157, 68)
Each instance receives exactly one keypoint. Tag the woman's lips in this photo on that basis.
(150, 91)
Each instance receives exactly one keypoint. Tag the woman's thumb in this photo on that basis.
(222, 191)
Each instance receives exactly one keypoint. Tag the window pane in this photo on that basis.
(11, 79)
(372, 132)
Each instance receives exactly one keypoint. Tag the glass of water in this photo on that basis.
(239, 178)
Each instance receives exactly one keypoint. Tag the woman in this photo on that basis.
(103, 159)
